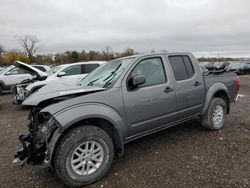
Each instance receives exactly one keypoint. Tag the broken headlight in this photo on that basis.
(35, 141)
(21, 93)
(47, 124)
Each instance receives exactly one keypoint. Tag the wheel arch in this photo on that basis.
(223, 95)
(217, 90)
(102, 123)
(2, 84)
(35, 88)
(101, 116)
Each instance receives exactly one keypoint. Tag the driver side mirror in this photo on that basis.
(136, 81)
(60, 74)
(7, 73)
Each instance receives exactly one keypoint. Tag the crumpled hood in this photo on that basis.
(57, 90)
(30, 69)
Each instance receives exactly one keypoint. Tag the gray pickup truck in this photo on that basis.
(78, 129)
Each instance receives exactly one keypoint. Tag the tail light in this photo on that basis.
(237, 83)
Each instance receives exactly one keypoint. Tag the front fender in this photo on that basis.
(74, 114)
(212, 91)
(68, 117)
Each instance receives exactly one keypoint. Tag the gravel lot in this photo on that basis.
(182, 156)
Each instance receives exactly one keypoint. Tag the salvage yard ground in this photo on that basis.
(182, 156)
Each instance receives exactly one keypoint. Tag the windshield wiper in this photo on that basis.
(112, 72)
(109, 81)
(92, 82)
(111, 76)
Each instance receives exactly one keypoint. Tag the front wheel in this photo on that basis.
(83, 156)
(215, 115)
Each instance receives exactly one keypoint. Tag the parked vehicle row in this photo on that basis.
(78, 129)
(13, 75)
(68, 74)
(239, 67)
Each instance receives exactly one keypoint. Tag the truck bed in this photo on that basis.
(227, 78)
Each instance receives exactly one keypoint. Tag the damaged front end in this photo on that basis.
(42, 125)
(20, 93)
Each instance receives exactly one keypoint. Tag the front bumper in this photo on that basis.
(36, 141)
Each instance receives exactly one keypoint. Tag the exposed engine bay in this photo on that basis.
(40, 130)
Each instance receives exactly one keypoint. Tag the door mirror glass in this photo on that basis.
(137, 80)
(60, 74)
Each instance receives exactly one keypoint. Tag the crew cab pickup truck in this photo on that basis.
(78, 129)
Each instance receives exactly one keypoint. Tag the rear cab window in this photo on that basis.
(182, 67)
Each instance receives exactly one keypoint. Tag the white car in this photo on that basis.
(67, 73)
(43, 68)
(13, 75)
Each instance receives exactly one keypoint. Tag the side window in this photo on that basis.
(247, 65)
(178, 67)
(16, 71)
(87, 68)
(189, 66)
(73, 70)
(182, 67)
(153, 71)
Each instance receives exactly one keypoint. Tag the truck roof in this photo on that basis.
(157, 53)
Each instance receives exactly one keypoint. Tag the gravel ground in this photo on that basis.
(182, 156)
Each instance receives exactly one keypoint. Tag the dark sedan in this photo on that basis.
(241, 68)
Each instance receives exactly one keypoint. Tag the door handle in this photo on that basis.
(196, 84)
(168, 90)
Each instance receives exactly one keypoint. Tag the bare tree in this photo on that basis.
(1, 49)
(108, 53)
(30, 45)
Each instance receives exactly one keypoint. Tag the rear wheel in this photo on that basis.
(83, 156)
(215, 116)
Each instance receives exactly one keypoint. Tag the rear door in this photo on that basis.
(152, 104)
(189, 86)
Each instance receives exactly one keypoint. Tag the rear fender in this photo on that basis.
(215, 88)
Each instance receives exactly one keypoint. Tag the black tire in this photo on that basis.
(1, 90)
(208, 120)
(68, 144)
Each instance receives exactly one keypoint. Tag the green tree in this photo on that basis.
(74, 57)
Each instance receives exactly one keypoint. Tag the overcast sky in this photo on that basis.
(217, 27)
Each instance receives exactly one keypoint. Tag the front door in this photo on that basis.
(152, 104)
(16, 76)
